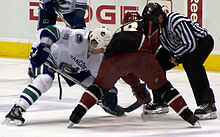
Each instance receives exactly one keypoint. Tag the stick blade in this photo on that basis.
(70, 125)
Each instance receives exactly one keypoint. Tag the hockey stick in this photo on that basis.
(128, 109)
(65, 75)
(60, 86)
(62, 18)
(132, 107)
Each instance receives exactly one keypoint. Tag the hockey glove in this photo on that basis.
(40, 54)
(141, 93)
(49, 5)
(110, 99)
(109, 103)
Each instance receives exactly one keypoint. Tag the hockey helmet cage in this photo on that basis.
(152, 9)
(101, 35)
(131, 16)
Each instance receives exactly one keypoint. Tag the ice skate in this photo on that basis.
(193, 120)
(206, 111)
(14, 117)
(155, 108)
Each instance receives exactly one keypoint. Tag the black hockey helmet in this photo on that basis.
(152, 9)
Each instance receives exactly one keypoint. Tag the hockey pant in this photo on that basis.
(75, 19)
(144, 66)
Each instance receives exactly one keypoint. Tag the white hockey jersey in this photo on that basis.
(68, 6)
(71, 53)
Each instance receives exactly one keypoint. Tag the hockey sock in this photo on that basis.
(88, 99)
(29, 95)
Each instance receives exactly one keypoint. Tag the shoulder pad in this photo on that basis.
(52, 32)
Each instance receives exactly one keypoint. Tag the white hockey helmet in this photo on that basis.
(101, 35)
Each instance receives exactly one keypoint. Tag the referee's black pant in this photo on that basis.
(193, 66)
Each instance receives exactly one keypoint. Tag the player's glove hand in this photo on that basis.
(110, 99)
(49, 5)
(141, 93)
(40, 54)
(109, 103)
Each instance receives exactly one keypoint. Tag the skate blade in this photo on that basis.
(17, 122)
(70, 125)
(6, 121)
(208, 116)
(158, 111)
(10, 122)
(196, 125)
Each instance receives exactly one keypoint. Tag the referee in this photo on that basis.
(184, 42)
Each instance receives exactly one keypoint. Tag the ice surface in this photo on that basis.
(48, 117)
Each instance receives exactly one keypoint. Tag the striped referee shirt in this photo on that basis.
(180, 34)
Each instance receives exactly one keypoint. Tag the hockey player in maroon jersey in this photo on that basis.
(129, 51)
(130, 78)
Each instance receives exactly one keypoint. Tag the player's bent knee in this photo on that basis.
(95, 90)
(43, 82)
(163, 89)
(90, 97)
(167, 92)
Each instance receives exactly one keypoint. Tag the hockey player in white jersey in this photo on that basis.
(73, 12)
(71, 52)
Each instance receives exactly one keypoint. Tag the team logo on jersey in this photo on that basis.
(79, 38)
(46, 21)
(66, 36)
(67, 68)
(172, 36)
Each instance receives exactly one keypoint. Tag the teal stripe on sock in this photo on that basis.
(31, 94)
